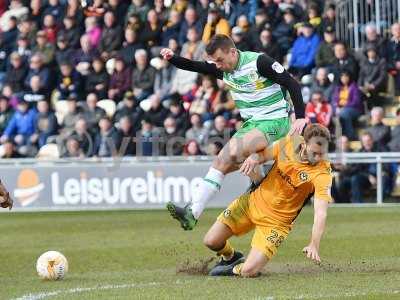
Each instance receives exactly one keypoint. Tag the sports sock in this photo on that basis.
(207, 189)
(238, 269)
(226, 252)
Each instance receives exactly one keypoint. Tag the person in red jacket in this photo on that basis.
(318, 110)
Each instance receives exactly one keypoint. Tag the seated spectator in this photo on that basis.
(74, 10)
(190, 20)
(45, 126)
(267, 44)
(14, 98)
(180, 115)
(69, 81)
(393, 55)
(16, 72)
(314, 17)
(197, 131)
(173, 138)
(329, 17)
(84, 137)
(194, 47)
(9, 36)
(37, 68)
(192, 148)
(98, 79)
(295, 6)
(35, 92)
(111, 37)
(347, 104)
(148, 140)
(120, 80)
(243, 7)
(271, 10)
(55, 9)
(50, 28)
(73, 149)
(130, 45)
(70, 32)
(107, 141)
(344, 62)
(216, 24)
(372, 77)
(64, 53)
(74, 113)
(238, 37)
(325, 56)
(380, 132)
(303, 52)
(163, 79)
(10, 151)
(365, 174)
(21, 126)
(27, 28)
(261, 22)
(140, 8)
(129, 108)
(394, 144)
(6, 113)
(23, 48)
(214, 148)
(172, 28)
(322, 84)
(223, 104)
(318, 110)
(93, 31)
(220, 131)
(96, 9)
(44, 47)
(157, 112)
(284, 32)
(127, 134)
(372, 37)
(143, 76)
(151, 34)
(91, 112)
(85, 55)
(119, 8)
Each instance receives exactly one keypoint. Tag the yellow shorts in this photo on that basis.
(241, 217)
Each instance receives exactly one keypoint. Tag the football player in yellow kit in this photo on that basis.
(299, 172)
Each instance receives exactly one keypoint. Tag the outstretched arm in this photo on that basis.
(191, 65)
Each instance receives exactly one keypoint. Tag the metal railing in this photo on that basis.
(352, 16)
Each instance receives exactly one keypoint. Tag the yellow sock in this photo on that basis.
(227, 251)
(237, 269)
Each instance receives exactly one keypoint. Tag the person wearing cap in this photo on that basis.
(372, 37)
(372, 77)
(304, 49)
(325, 56)
(9, 37)
(216, 24)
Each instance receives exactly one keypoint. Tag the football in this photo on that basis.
(52, 265)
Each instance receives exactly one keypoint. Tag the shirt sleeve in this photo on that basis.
(273, 70)
(202, 67)
(322, 187)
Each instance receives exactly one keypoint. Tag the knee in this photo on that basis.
(212, 242)
(250, 270)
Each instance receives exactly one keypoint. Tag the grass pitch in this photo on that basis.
(145, 255)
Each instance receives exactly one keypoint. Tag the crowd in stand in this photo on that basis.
(87, 51)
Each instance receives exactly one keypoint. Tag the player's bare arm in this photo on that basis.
(320, 214)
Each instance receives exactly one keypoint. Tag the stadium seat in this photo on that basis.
(48, 151)
(61, 108)
(109, 106)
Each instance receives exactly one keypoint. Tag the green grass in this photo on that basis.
(135, 254)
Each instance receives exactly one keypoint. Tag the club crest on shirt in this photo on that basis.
(227, 213)
(303, 176)
(253, 76)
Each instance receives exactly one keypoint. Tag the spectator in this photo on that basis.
(54, 9)
(127, 134)
(35, 92)
(238, 36)
(74, 11)
(157, 113)
(223, 104)
(143, 76)
(120, 80)
(64, 53)
(91, 112)
(69, 81)
(177, 112)
(84, 56)
(284, 32)
(393, 55)
(261, 22)
(151, 34)
(220, 132)
(303, 52)
(73, 149)
(98, 79)
(148, 140)
(129, 108)
(216, 24)
(347, 104)
(373, 38)
(45, 126)
(267, 44)
(93, 31)
(27, 28)
(23, 48)
(70, 32)
(111, 38)
(6, 113)
(202, 11)
(344, 62)
(9, 36)
(329, 18)
(325, 56)
(16, 73)
(74, 113)
(50, 28)
(119, 9)
(44, 47)
(9, 151)
(243, 7)
(173, 138)
(193, 48)
(372, 77)
(163, 79)
(190, 21)
(161, 10)
(97, 9)
(197, 131)
(394, 144)
(380, 133)
(107, 140)
(140, 8)
(192, 148)
(172, 28)
(130, 46)
(271, 10)
(21, 125)
(314, 17)
(294, 5)
(365, 174)
(83, 136)
(322, 84)
(318, 110)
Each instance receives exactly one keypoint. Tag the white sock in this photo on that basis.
(207, 189)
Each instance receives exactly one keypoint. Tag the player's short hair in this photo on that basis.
(317, 131)
(219, 41)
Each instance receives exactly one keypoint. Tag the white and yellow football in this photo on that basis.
(52, 265)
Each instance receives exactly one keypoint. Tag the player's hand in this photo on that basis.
(249, 164)
(312, 253)
(166, 53)
(5, 199)
(298, 126)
